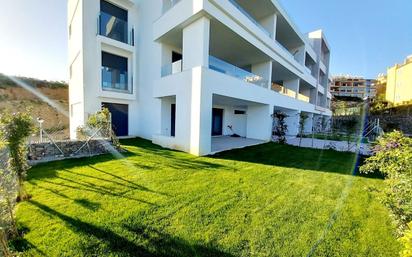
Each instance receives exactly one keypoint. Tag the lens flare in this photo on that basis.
(112, 150)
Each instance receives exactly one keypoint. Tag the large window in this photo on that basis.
(115, 73)
(113, 22)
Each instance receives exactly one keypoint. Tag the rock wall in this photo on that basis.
(44, 152)
(398, 122)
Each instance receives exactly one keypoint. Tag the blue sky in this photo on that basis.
(366, 36)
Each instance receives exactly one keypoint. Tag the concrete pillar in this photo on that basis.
(196, 38)
(264, 69)
(313, 96)
(259, 122)
(201, 103)
(269, 23)
(292, 121)
(292, 85)
(308, 124)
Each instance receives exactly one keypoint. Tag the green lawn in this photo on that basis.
(267, 200)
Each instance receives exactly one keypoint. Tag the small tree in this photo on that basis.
(15, 130)
(8, 193)
(280, 128)
(302, 121)
(393, 158)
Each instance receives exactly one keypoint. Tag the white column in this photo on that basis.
(292, 121)
(292, 84)
(259, 122)
(196, 38)
(264, 69)
(308, 124)
(200, 116)
(269, 23)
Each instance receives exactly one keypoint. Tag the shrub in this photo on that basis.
(15, 130)
(406, 240)
(8, 193)
(393, 158)
(99, 125)
(302, 121)
(280, 128)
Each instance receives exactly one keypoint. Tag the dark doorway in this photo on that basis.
(176, 57)
(173, 120)
(217, 122)
(120, 118)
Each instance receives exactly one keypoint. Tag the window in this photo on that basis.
(113, 22)
(115, 73)
(240, 112)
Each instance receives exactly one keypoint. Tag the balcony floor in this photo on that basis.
(225, 143)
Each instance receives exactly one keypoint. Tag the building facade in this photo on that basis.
(399, 83)
(185, 73)
(353, 87)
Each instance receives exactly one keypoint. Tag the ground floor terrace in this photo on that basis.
(221, 112)
(266, 200)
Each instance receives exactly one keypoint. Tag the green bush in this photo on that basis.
(14, 130)
(393, 158)
(406, 240)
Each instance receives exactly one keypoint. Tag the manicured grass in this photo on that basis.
(267, 200)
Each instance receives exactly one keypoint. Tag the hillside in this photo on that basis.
(14, 98)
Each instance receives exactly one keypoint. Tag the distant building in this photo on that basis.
(381, 85)
(399, 83)
(353, 87)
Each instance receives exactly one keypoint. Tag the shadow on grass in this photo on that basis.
(88, 187)
(92, 206)
(296, 157)
(135, 158)
(146, 241)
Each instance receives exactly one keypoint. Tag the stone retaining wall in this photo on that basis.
(398, 122)
(44, 152)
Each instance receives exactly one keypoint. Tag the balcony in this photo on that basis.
(219, 66)
(250, 17)
(303, 98)
(172, 68)
(169, 4)
(283, 90)
(115, 28)
(231, 70)
(115, 80)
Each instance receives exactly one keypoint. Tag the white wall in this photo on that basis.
(193, 88)
(237, 121)
(259, 123)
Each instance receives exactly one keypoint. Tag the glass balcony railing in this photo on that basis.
(240, 8)
(172, 68)
(169, 4)
(113, 27)
(304, 98)
(231, 70)
(220, 66)
(115, 80)
(283, 90)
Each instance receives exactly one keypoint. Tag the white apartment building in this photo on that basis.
(187, 74)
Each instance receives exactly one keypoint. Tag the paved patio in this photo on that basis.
(224, 143)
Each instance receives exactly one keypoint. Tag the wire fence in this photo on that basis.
(55, 144)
